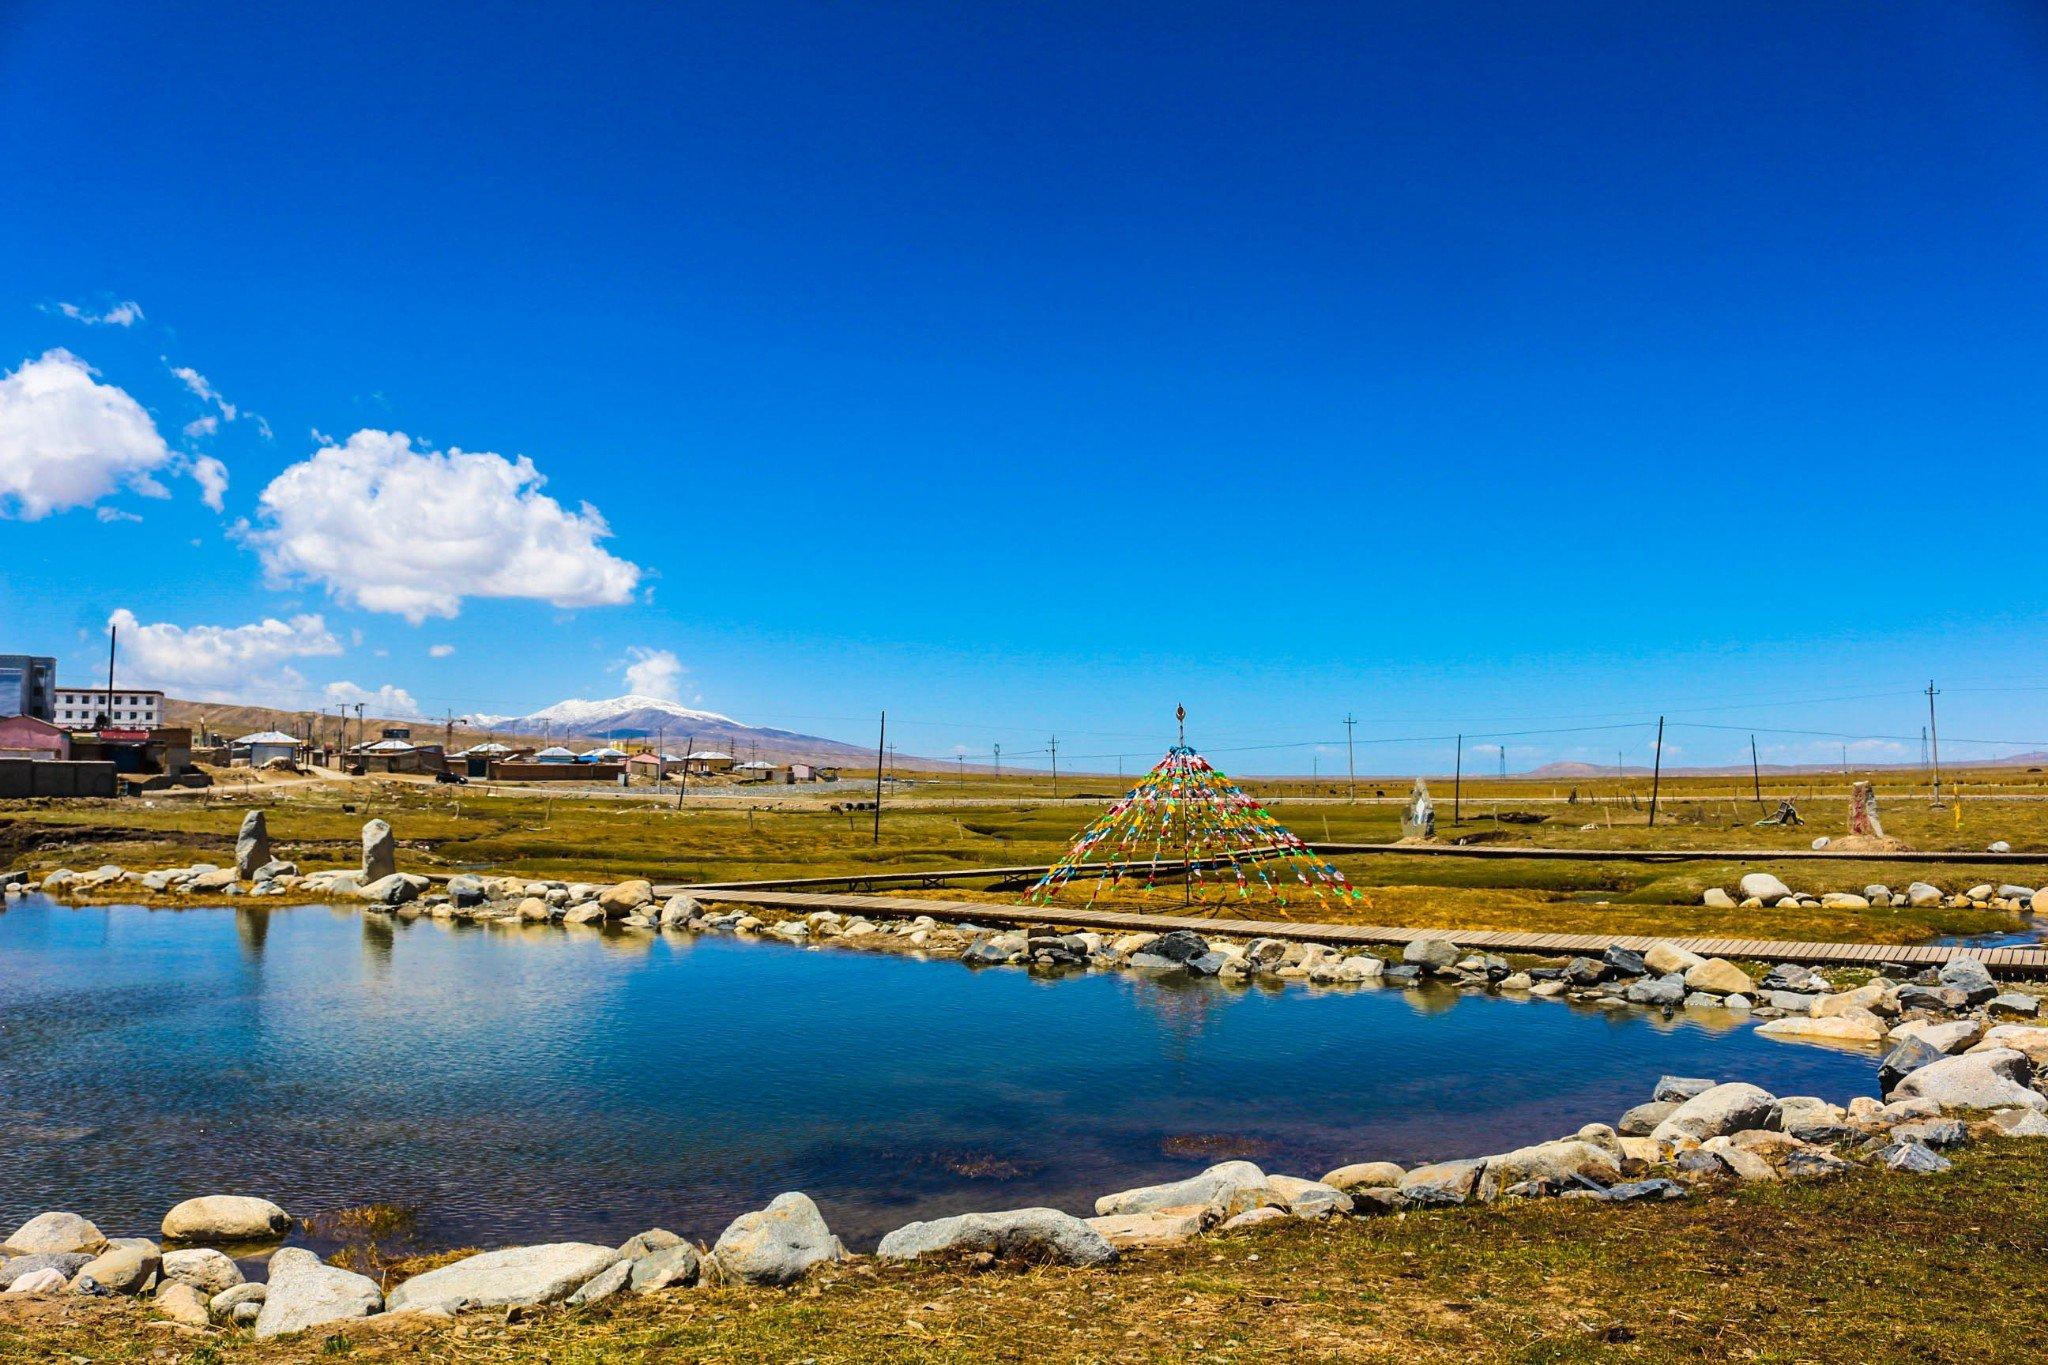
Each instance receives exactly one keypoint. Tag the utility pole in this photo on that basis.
(683, 782)
(1055, 767)
(1350, 757)
(880, 745)
(1458, 785)
(999, 764)
(1657, 772)
(1934, 735)
(113, 636)
(1756, 777)
(1503, 760)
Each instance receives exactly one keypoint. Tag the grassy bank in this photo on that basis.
(736, 838)
(1869, 1267)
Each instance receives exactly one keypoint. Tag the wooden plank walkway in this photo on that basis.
(2010, 962)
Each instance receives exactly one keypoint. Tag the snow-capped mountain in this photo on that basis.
(638, 716)
(632, 714)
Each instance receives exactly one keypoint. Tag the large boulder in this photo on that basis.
(206, 1270)
(2020, 1038)
(252, 845)
(1971, 977)
(1763, 886)
(1923, 896)
(501, 1279)
(380, 851)
(182, 1304)
(1154, 1228)
(1834, 1028)
(1997, 1079)
(466, 889)
(776, 1245)
(1220, 1183)
(305, 1291)
(1903, 1060)
(226, 1218)
(400, 888)
(677, 911)
(1431, 954)
(1180, 947)
(1442, 1182)
(1552, 1165)
(1718, 976)
(1037, 1236)
(119, 1270)
(1306, 1198)
(625, 899)
(1664, 958)
(55, 1232)
(1731, 1108)
(1364, 1175)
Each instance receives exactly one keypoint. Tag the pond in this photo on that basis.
(532, 1084)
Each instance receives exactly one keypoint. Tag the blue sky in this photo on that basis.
(1030, 369)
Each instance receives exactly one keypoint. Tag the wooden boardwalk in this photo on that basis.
(2010, 962)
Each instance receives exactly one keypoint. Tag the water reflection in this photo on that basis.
(521, 1083)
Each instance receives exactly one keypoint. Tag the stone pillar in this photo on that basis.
(380, 852)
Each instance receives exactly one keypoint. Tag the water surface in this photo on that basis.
(536, 1083)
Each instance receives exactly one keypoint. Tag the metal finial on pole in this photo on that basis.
(1180, 716)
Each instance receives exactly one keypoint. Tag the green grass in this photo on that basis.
(774, 833)
(1868, 1267)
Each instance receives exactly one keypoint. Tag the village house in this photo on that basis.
(29, 737)
(255, 750)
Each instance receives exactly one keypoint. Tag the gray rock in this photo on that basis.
(2021, 1123)
(1763, 886)
(678, 911)
(1914, 1158)
(210, 1272)
(380, 851)
(2014, 1005)
(1625, 961)
(648, 1242)
(118, 1270)
(626, 898)
(399, 888)
(1442, 1182)
(606, 1283)
(1180, 947)
(501, 1279)
(252, 845)
(1679, 1089)
(1939, 1134)
(1971, 977)
(665, 1268)
(1996, 1079)
(1431, 954)
(56, 1231)
(1642, 1120)
(226, 1218)
(182, 1303)
(1922, 895)
(1223, 1181)
(1552, 1166)
(466, 890)
(1636, 1191)
(1667, 991)
(776, 1245)
(305, 1291)
(1732, 1108)
(1033, 1236)
(1364, 1175)
(228, 1300)
(65, 1263)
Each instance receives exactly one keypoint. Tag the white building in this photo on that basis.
(78, 707)
(258, 749)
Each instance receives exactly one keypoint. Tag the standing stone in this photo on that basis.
(776, 1245)
(380, 851)
(1418, 818)
(252, 845)
(1863, 811)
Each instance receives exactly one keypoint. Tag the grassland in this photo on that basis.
(1868, 1267)
(738, 834)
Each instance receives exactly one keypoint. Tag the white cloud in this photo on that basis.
(206, 392)
(67, 440)
(440, 651)
(385, 701)
(212, 477)
(654, 673)
(389, 528)
(202, 426)
(125, 314)
(249, 664)
(109, 515)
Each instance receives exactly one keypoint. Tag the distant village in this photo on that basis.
(60, 740)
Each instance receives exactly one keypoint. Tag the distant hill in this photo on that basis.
(575, 723)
